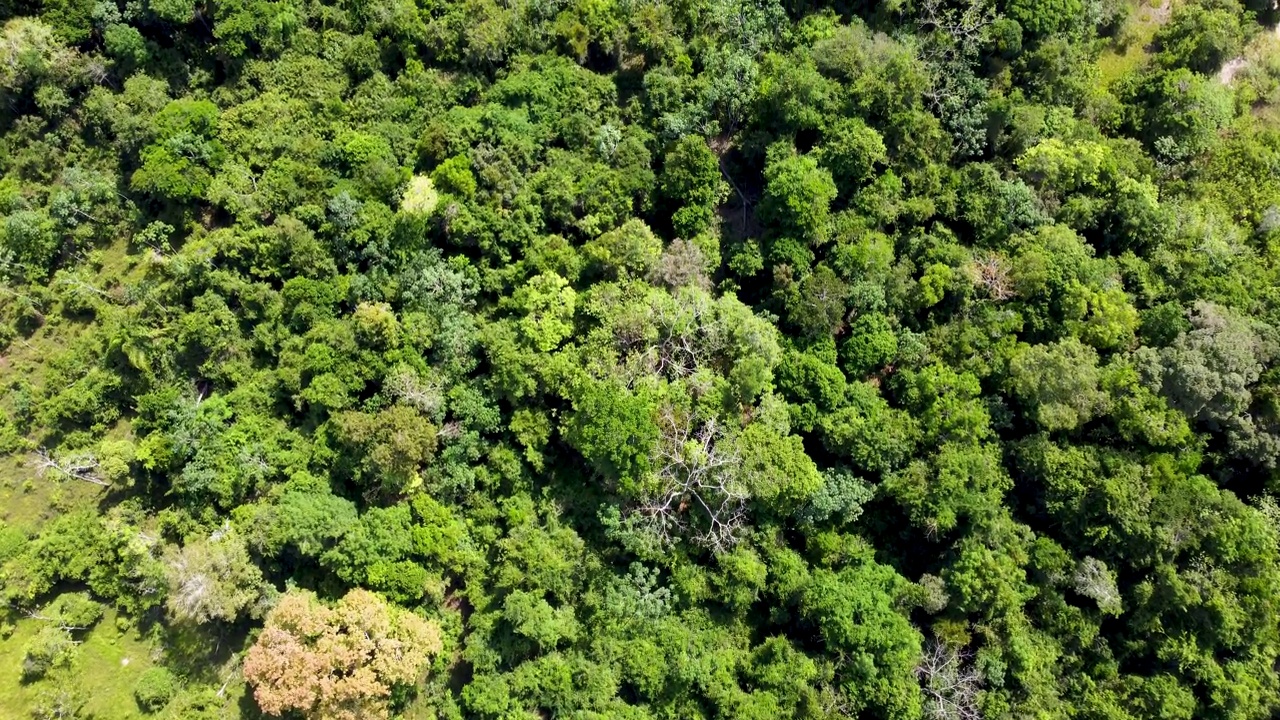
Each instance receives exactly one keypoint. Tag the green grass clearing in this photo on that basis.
(1130, 47)
(107, 665)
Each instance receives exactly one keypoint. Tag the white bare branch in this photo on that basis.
(33, 615)
(951, 684)
(991, 273)
(82, 466)
(697, 493)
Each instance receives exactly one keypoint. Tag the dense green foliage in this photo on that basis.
(706, 359)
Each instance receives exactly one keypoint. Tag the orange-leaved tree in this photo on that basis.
(339, 662)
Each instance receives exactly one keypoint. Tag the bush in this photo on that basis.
(155, 689)
(51, 647)
(12, 540)
(74, 611)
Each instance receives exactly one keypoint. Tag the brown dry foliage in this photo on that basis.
(337, 663)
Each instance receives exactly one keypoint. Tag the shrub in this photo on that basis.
(155, 689)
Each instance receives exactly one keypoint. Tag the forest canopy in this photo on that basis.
(640, 360)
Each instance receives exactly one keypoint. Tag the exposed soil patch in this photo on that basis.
(1232, 67)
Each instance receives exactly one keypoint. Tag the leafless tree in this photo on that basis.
(991, 273)
(81, 466)
(696, 492)
(933, 596)
(96, 71)
(450, 431)
(683, 334)
(950, 683)
(212, 579)
(1095, 581)
(252, 460)
(63, 702)
(833, 702)
(681, 264)
(423, 395)
(682, 345)
(961, 30)
(951, 39)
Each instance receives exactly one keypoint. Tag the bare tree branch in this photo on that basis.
(33, 615)
(697, 493)
(950, 683)
(991, 273)
(83, 466)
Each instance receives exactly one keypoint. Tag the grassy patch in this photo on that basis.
(1131, 47)
(27, 501)
(105, 669)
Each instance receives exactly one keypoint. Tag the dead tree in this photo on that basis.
(991, 273)
(422, 395)
(83, 466)
(1095, 581)
(950, 683)
(696, 493)
(690, 335)
(961, 31)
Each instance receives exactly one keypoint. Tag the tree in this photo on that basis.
(387, 449)
(775, 469)
(840, 499)
(375, 553)
(852, 151)
(214, 579)
(870, 434)
(816, 305)
(27, 238)
(301, 521)
(614, 429)
(962, 481)
(1058, 383)
(691, 181)
(1208, 372)
(683, 263)
(1045, 17)
(178, 166)
(340, 662)
(871, 345)
(852, 610)
(533, 617)
(29, 53)
(628, 251)
(797, 196)
(1105, 319)
(1177, 113)
(55, 644)
(1200, 37)
(548, 302)
(60, 702)
(126, 45)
